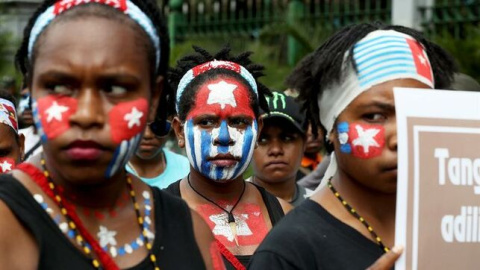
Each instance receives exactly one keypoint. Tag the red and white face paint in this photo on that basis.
(52, 115)
(6, 164)
(361, 140)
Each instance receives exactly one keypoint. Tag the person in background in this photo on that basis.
(350, 222)
(33, 144)
(218, 99)
(312, 156)
(11, 143)
(155, 164)
(280, 149)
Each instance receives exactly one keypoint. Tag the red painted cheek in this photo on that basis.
(54, 113)
(6, 164)
(223, 97)
(367, 141)
(251, 227)
(128, 119)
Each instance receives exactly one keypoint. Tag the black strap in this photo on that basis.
(30, 152)
(274, 208)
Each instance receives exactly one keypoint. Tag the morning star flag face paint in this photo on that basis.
(52, 115)
(361, 140)
(8, 115)
(6, 164)
(223, 151)
(127, 121)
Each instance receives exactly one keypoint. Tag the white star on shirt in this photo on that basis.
(106, 237)
(366, 138)
(222, 227)
(55, 112)
(133, 117)
(6, 166)
(222, 93)
(422, 59)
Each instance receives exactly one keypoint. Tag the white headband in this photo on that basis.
(381, 56)
(8, 114)
(194, 72)
(126, 6)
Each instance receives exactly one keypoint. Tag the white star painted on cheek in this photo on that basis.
(55, 112)
(106, 237)
(366, 138)
(422, 59)
(222, 93)
(223, 228)
(133, 117)
(6, 166)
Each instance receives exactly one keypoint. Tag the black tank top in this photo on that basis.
(274, 209)
(174, 237)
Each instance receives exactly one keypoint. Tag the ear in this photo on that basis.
(179, 133)
(21, 145)
(157, 90)
(260, 128)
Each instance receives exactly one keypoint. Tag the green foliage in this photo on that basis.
(466, 51)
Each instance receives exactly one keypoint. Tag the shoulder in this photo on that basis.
(175, 157)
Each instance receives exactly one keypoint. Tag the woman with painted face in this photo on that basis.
(348, 86)
(95, 72)
(217, 102)
(11, 142)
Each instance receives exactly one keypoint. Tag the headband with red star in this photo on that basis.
(8, 114)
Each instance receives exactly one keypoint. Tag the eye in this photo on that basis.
(4, 152)
(262, 140)
(206, 122)
(375, 117)
(118, 90)
(240, 122)
(60, 89)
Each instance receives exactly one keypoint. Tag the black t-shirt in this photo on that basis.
(311, 238)
(174, 244)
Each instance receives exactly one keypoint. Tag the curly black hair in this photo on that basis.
(323, 67)
(202, 56)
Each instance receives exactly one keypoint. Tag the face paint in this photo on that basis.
(9, 113)
(51, 115)
(127, 121)
(251, 226)
(361, 140)
(222, 98)
(6, 164)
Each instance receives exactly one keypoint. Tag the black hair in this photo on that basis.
(201, 56)
(323, 67)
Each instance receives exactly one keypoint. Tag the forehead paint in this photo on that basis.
(203, 144)
(8, 115)
(361, 140)
(6, 164)
(251, 226)
(127, 121)
(52, 114)
(222, 97)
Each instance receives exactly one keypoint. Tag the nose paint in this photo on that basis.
(51, 115)
(361, 140)
(127, 121)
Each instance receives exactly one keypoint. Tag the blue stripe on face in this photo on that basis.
(223, 138)
(191, 141)
(247, 145)
(110, 167)
(206, 143)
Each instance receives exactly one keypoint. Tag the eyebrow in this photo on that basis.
(108, 76)
(378, 104)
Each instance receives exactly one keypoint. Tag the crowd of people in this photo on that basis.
(88, 182)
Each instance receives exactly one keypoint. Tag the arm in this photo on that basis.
(18, 249)
(206, 243)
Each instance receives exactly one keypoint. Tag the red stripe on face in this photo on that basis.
(223, 97)
(128, 119)
(55, 112)
(367, 141)
(6, 164)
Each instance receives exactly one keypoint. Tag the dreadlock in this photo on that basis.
(323, 67)
(202, 56)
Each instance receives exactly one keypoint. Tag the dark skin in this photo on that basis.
(369, 185)
(278, 156)
(11, 146)
(228, 191)
(73, 59)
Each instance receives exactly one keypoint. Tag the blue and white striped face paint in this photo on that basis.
(222, 153)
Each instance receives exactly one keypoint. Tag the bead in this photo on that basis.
(95, 263)
(64, 211)
(140, 220)
(86, 250)
(72, 225)
(153, 258)
(149, 246)
(58, 198)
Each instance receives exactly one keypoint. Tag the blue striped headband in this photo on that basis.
(194, 72)
(125, 6)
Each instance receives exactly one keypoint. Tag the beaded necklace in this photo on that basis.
(82, 233)
(354, 213)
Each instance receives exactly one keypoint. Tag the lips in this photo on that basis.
(84, 150)
(224, 160)
(276, 163)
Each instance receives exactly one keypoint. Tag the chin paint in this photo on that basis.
(127, 121)
(52, 115)
(223, 152)
(361, 140)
